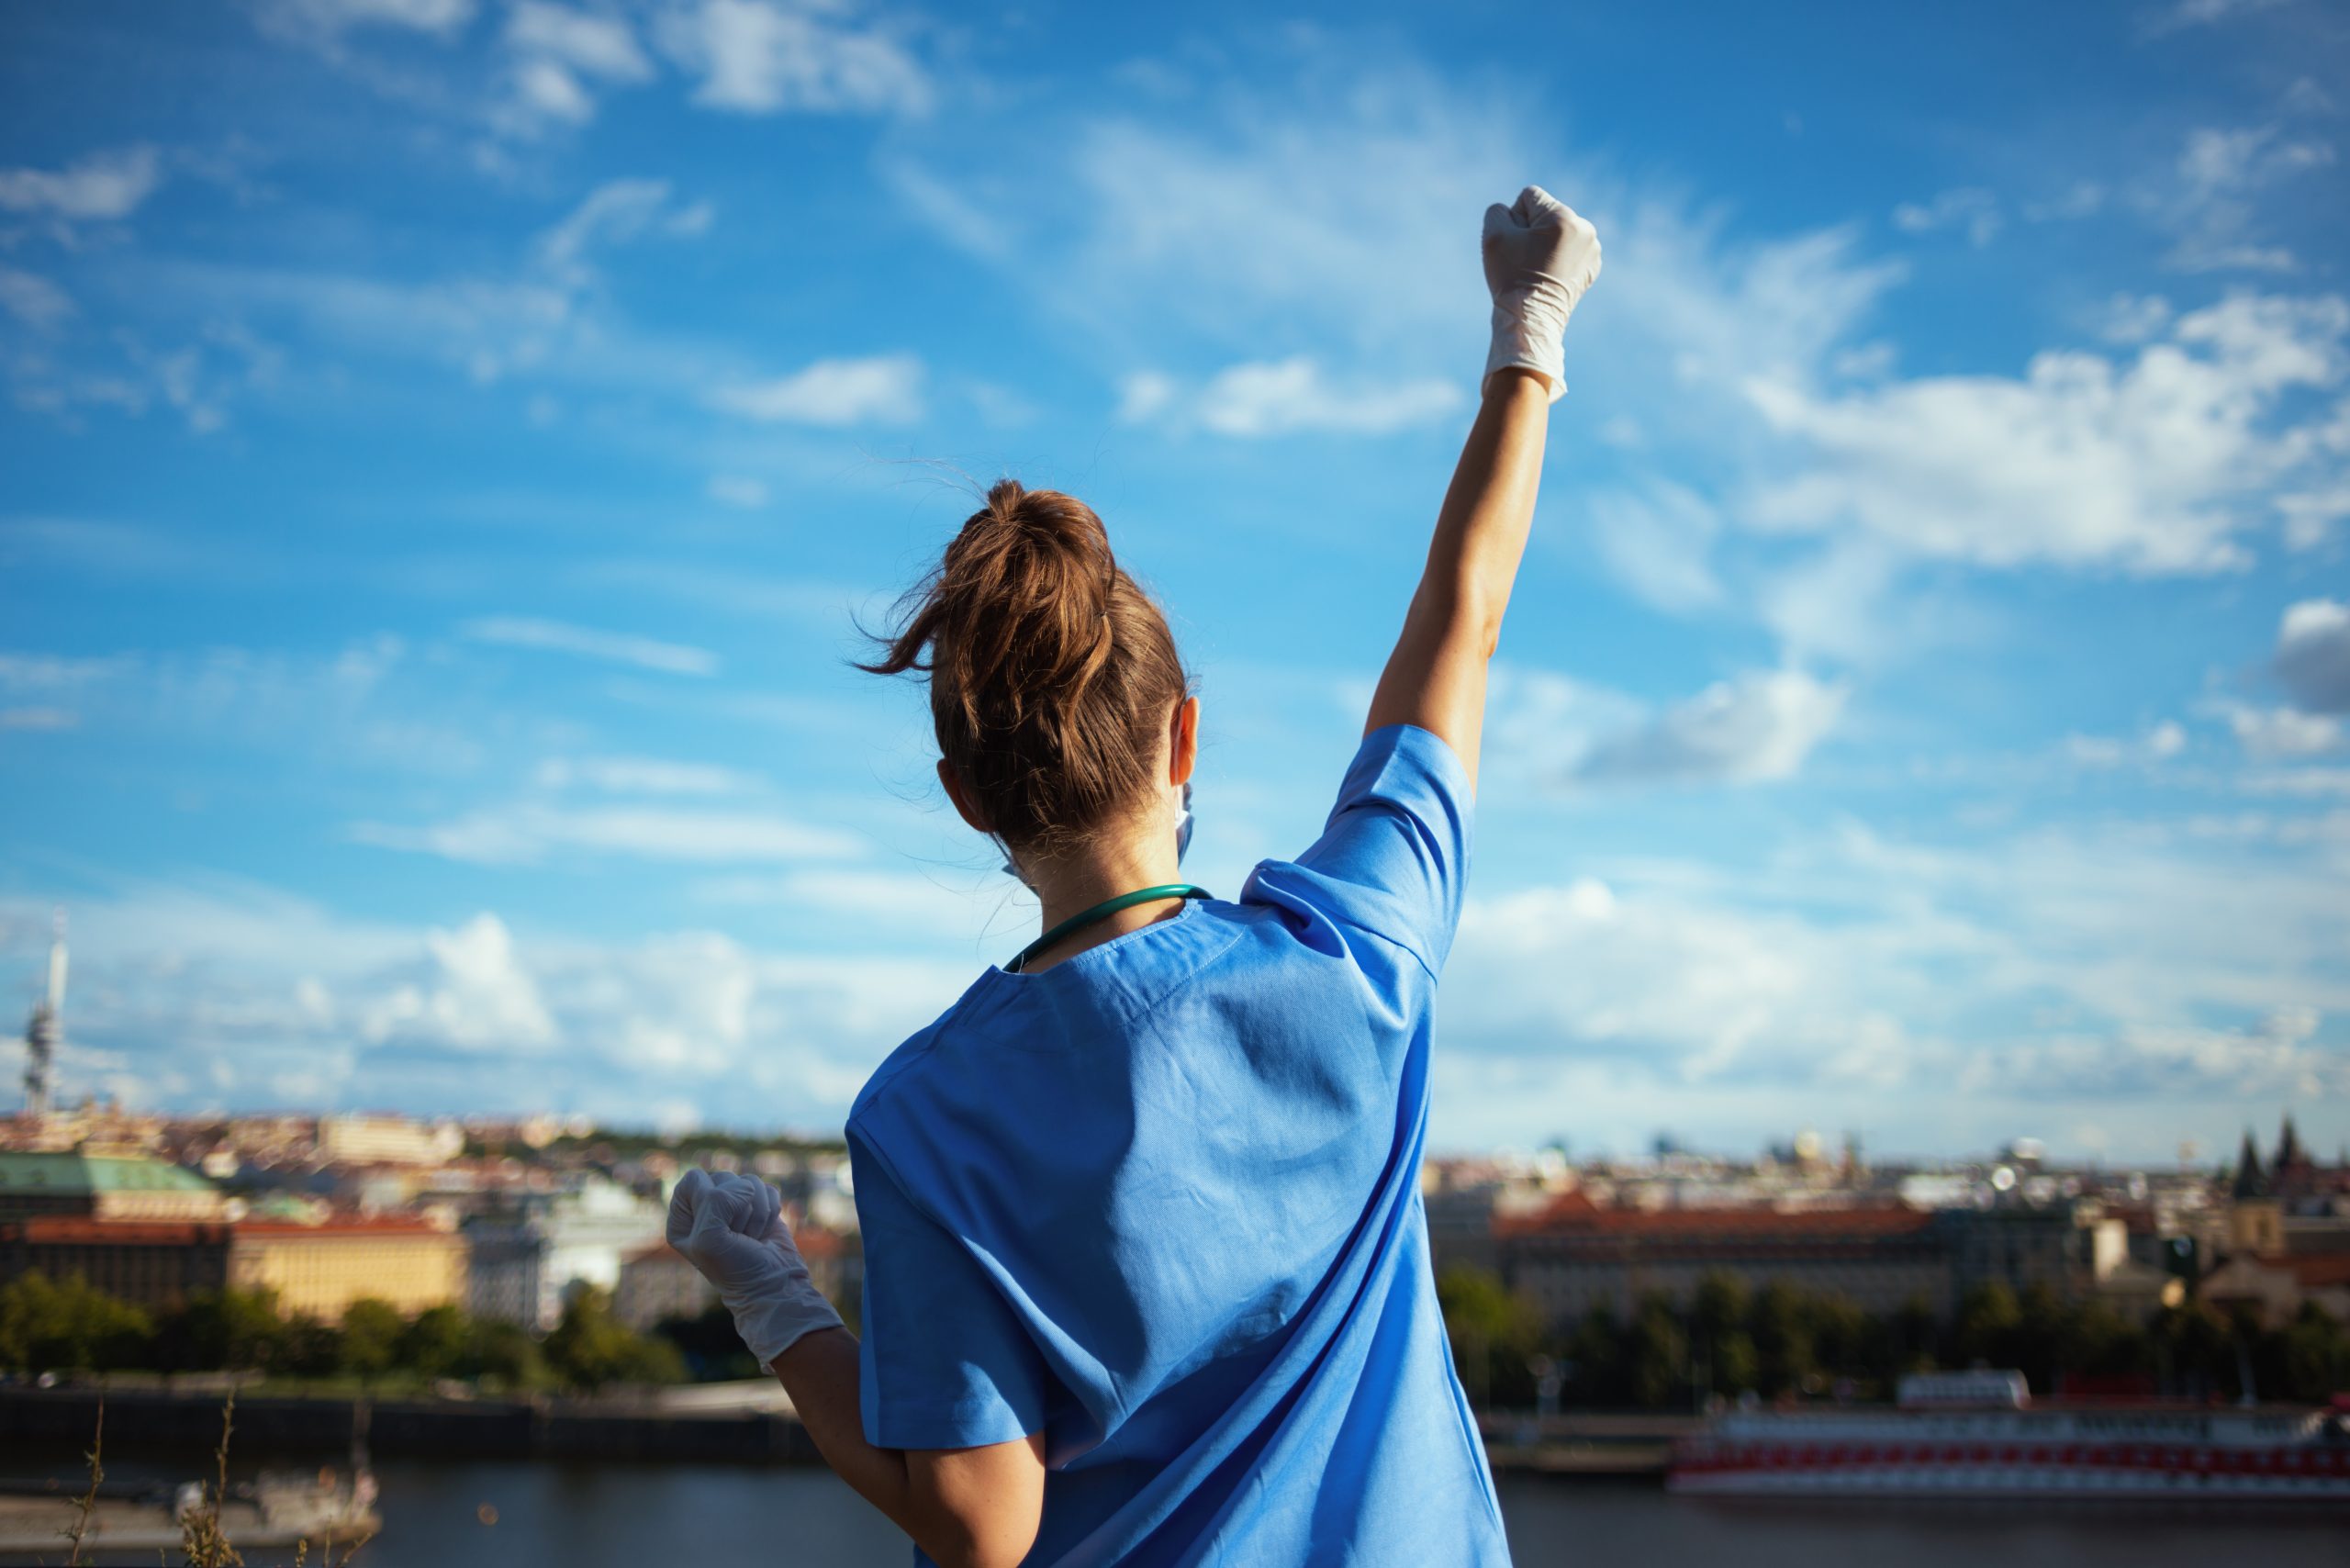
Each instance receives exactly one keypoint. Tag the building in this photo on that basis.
(528, 1258)
(106, 1188)
(656, 1283)
(153, 1264)
(2064, 1246)
(388, 1140)
(2274, 1289)
(1576, 1254)
(321, 1269)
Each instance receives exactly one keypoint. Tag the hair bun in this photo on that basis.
(1050, 671)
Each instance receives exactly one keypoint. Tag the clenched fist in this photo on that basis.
(1541, 254)
(731, 1227)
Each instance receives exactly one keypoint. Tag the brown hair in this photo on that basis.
(1052, 673)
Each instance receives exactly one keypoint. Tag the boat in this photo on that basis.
(1979, 1435)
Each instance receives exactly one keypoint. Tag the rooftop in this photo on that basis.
(49, 1173)
(1575, 1214)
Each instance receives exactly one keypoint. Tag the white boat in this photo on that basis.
(1993, 1443)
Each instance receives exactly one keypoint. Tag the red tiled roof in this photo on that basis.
(339, 1226)
(2317, 1270)
(1577, 1215)
(54, 1230)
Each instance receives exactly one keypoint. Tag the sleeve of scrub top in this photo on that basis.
(944, 1362)
(1393, 858)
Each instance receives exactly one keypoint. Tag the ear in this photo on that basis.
(1183, 741)
(965, 807)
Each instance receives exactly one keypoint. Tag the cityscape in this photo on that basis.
(1875, 1084)
(519, 1224)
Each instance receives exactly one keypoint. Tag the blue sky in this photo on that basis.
(446, 443)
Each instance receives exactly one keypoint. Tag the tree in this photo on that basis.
(1596, 1350)
(1781, 1323)
(53, 1327)
(1987, 1321)
(372, 1331)
(231, 1328)
(434, 1343)
(1493, 1335)
(1658, 1353)
(503, 1354)
(308, 1346)
(590, 1348)
(709, 1343)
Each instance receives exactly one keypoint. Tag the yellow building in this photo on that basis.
(322, 1269)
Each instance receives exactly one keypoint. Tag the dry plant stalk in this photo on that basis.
(202, 1541)
(88, 1505)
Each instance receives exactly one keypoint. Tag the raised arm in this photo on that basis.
(1539, 258)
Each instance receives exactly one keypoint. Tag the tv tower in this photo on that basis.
(46, 1029)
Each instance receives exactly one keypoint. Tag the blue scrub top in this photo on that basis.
(1160, 1202)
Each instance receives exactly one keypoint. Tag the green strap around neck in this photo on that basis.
(1104, 911)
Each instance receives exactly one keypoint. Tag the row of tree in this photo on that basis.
(55, 1326)
(1727, 1340)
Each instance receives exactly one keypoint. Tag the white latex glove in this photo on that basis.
(731, 1227)
(1540, 257)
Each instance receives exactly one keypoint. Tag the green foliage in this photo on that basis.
(1726, 1340)
(238, 1330)
(434, 1342)
(710, 1344)
(1493, 1335)
(372, 1331)
(46, 1327)
(590, 1348)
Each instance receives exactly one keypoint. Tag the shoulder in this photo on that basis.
(901, 1071)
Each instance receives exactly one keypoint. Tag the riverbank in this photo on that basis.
(640, 1427)
(748, 1423)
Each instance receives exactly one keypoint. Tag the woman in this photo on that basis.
(1147, 1271)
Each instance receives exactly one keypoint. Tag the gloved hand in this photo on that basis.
(1540, 257)
(731, 1227)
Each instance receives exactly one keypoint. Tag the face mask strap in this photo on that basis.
(1183, 840)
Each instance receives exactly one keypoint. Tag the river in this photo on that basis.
(606, 1515)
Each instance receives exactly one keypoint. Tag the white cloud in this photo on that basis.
(34, 300)
(1973, 210)
(1757, 728)
(44, 718)
(101, 186)
(1289, 396)
(757, 58)
(601, 45)
(643, 776)
(2183, 14)
(2314, 655)
(1655, 542)
(737, 490)
(525, 835)
(2276, 734)
(2153, 467)
(324, 22)
(475, 996)
(885, 389)
(544, 87)
(617, 647)
(614, 213)
(235, 994)
(2211, 206)
(2160, 742)
(554, 46)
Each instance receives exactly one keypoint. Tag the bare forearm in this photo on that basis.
(968, 1509)
(1435, 677)
(820, 1372)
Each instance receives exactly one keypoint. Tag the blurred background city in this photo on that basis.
(448, 447)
